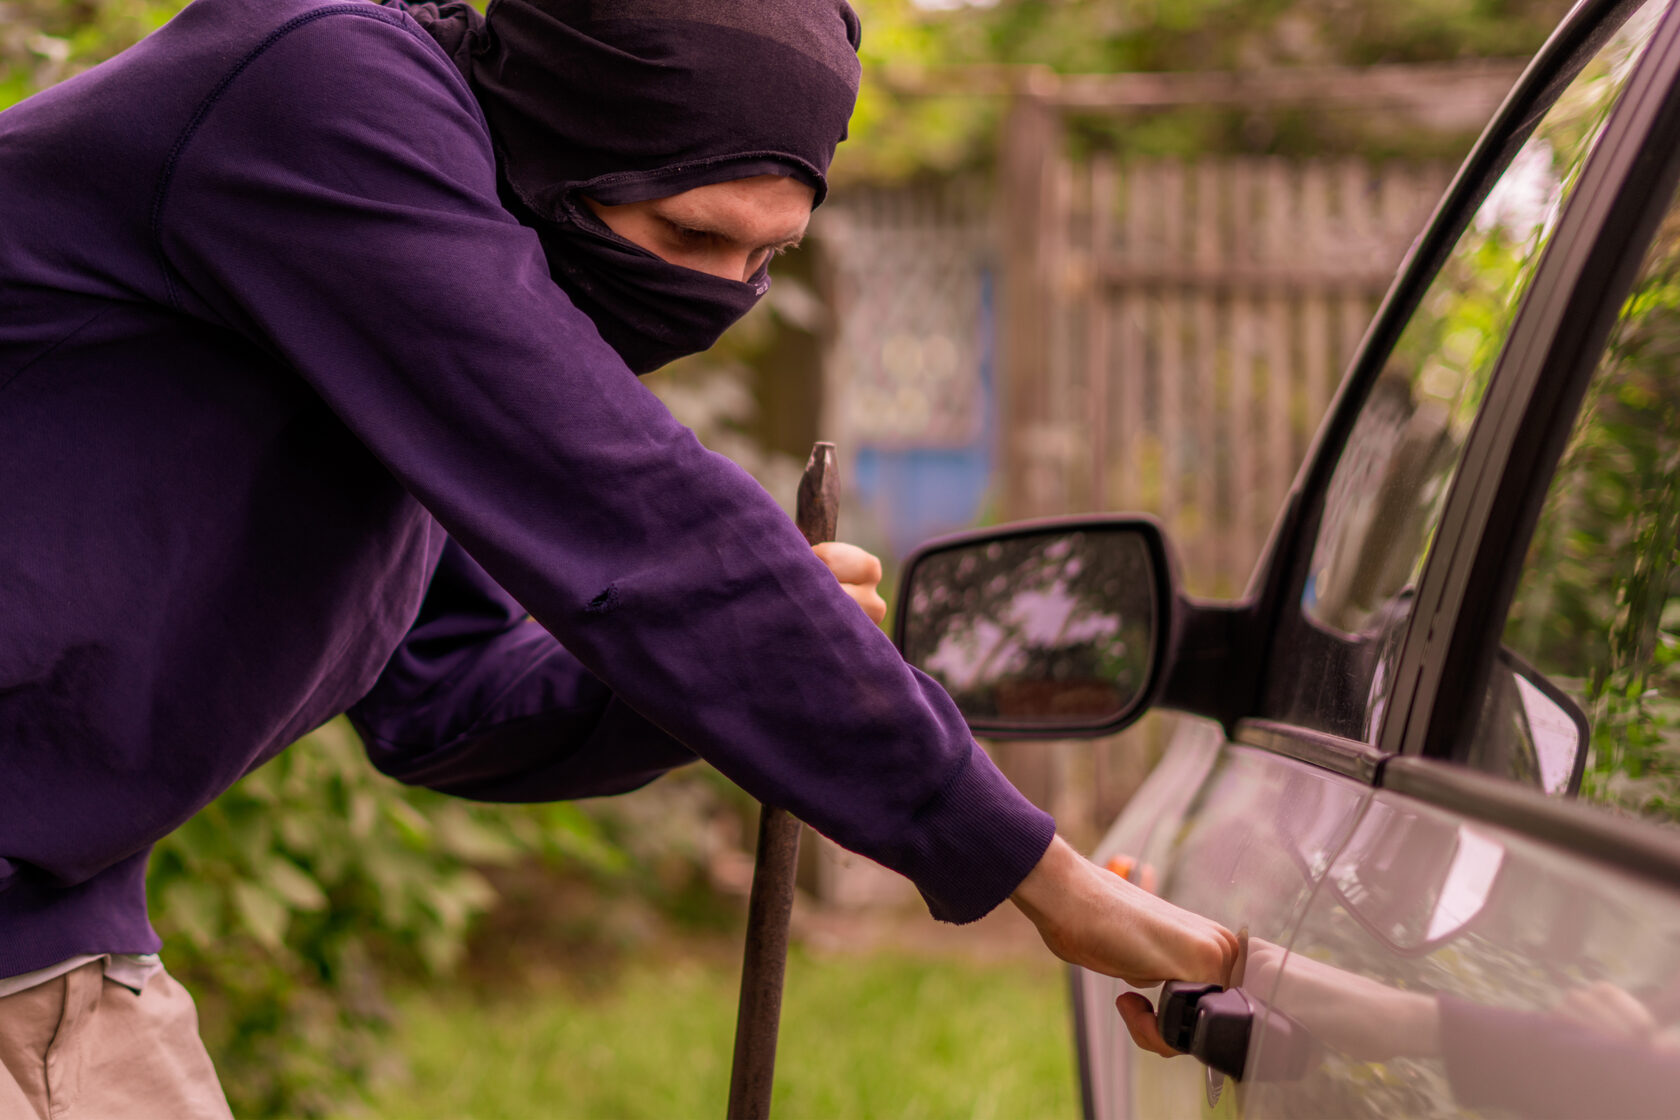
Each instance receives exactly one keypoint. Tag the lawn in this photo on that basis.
(886, 1035)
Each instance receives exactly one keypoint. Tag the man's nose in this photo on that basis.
(737, 264)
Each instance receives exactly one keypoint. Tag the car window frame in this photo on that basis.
(1280, 623)
(1541, 383)
(1534, 396)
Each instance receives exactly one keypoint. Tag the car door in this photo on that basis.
(1486, 942)
(1243, 821)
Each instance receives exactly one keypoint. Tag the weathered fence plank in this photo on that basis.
(1211, 321)
(1204, 370)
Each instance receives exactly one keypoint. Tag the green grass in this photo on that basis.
(862, 1037)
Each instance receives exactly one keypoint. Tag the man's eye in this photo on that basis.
(690, 236)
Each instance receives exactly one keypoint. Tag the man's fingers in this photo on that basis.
(859, 573)
(1608, 1009)
(849, 563)
(873, 605)
(1139, 1017)
(1233, 954)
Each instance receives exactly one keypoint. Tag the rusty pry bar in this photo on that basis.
(764, 962)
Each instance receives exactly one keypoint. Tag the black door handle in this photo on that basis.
(1224, 1022)
(1175, 1011)
(1216, 1025)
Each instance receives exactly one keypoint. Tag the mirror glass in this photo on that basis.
(1556, 738)
(1052, 629)
(1529, 730)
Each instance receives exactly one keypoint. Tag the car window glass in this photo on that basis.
(1597, 608)
(1384, 501)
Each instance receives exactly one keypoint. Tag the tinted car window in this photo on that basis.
(1597, 609)
(1385, 497)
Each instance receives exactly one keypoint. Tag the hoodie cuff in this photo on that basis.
(973, 842)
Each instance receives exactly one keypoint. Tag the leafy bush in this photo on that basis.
(287, 903)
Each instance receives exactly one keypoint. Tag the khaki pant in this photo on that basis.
(81, 1047)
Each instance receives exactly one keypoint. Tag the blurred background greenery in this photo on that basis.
(358, 948)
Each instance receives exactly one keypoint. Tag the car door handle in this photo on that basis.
(1224, 1024)
(1216, 1026)
(1175, 1011)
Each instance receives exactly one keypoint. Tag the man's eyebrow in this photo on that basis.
(788, 240)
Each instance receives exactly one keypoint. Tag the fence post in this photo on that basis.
(1029, 225)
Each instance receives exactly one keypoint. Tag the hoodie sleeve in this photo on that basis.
(335, 202)
(481, 702)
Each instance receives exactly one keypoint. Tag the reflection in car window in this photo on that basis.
(1385, 497)
(1597, 609)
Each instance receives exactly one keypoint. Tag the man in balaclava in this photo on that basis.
(621, 103)
(318, 323)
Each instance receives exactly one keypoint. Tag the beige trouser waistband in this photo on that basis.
(82, 1047)
(131, 970)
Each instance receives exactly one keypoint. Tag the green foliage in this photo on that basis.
(1599, 605)
(287, 903)
(42, 42)
(962, 45)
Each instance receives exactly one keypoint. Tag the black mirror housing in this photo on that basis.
(1058, 628)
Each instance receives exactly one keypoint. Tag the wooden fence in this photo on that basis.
(1198, 317)
(1172, 331)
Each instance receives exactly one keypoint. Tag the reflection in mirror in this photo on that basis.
(1558, 742)
(1053, 629)
(1529, 729)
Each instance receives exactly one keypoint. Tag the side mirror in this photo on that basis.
(1052, 628)
(1530, 730)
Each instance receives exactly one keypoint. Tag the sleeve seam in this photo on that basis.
(177, 150)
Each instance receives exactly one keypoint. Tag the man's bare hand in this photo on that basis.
(1139, 1016)
(1096, 919)
(859, 573)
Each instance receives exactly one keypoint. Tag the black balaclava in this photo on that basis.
(626, 100)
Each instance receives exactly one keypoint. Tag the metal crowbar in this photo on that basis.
(764, 960)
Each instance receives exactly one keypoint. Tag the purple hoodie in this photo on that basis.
(287, 399)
